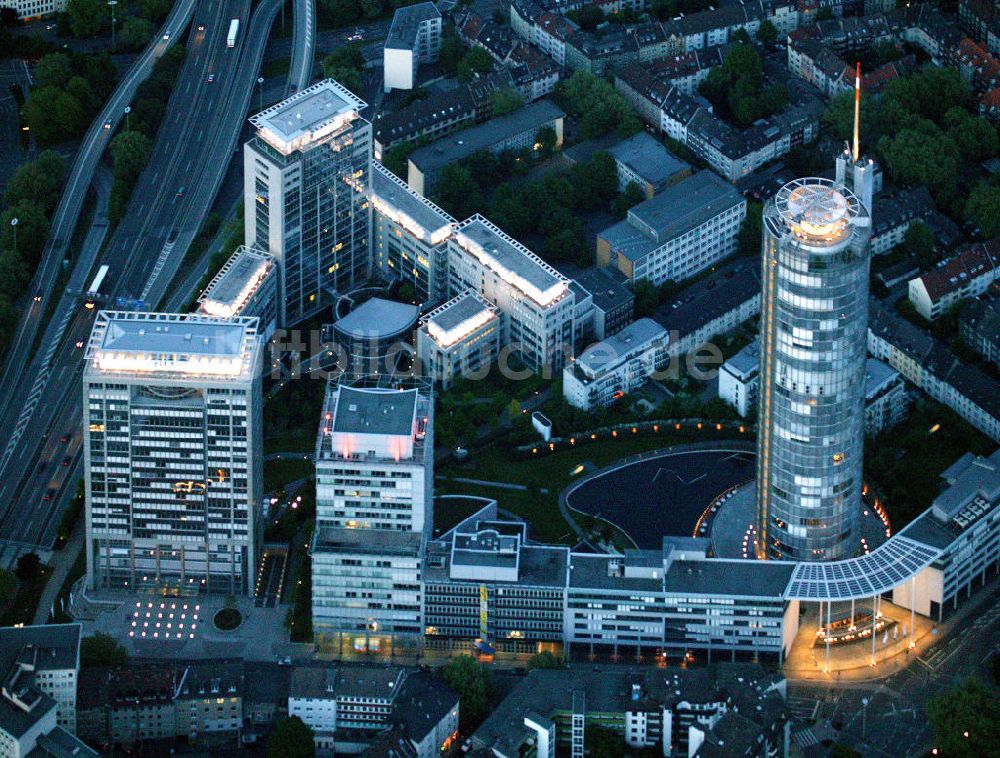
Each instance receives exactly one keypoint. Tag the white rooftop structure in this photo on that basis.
(459, 317)
(511, 260)
(307, 116)
(172, 345)
(611, 351)
(393, 198)
(236, 282)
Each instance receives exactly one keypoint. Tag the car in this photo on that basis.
(354, 37)
(38, 298)
(107, 124)
(64, 439)
(79, 343)
(211, 78)
(66, 461)
(47, 497)
(201, 27)
(166, 36)
(286, 661)
(180, 192)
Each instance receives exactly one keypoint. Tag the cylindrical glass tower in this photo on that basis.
(814, 319)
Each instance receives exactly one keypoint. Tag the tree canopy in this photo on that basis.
(966, 720)
(597, 104)
(291, 739)
(474, 684)
(736, 87)
(101, 650)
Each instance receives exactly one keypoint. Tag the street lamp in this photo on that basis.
(260, 91)
(864, 718)
(128, 110)
(13, 226)
(112, 3)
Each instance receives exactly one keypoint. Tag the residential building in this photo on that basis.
(172, 452)
(535, 301)
(814, 304)
(199, 702)
(652, 709)
(739, 380)
(886, 399)
(982, 20)
(374, 513)
(414, 38)
(979, 327)
(893, 214)
(512, 132)
(615, 366)
(613, 302)
(246, 285)
(37, 700)
(676, 234)
(933, 367)
(459, 339)
(425, 721)
(966, 275)
(306, 189)
(49, 656)
(430, 118)
(409, 237)
(645, 162)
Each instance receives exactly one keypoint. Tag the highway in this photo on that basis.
(303, 45)
(192, 149)
(67, 212)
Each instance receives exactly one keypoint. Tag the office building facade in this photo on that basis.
(459, 339)
(172, 452)
(246, 285)
(374, 514)
(814, 311)
(306, 187)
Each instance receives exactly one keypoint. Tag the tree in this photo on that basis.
(646, 298)
(54, 70)
(8, 586)
(595, 181)
(545, 139)
(396, 157)
(922, 154)
(291, 739)
(32, 230)
(344, 66)
(38, 181)
(632, 195)
(919, 240)
(545, 660)
(509, 212)
(983, 209)
(371, 8)
(101, 650)
(767, 33)
(129, 155)
(505, 100)
(136, 32)
(966, 720)
(452, 51)
(839, 117)
(155, 10)
(588, 17)
(749, 239)
(29, 566)
(474, 684)
(975, 137)
(475, 63)
(86, 17)
(567, 244)
(458, 192)
(348, 77)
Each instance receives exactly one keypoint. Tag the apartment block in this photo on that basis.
(414, 38)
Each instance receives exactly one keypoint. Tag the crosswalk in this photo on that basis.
(37, 388)
(805, 738)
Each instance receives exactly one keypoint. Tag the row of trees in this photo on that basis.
(31, 196)
(924, 133)
(344, 65)
(69, 92)
(138, 18)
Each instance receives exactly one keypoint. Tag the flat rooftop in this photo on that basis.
(406, 23)
(716, 576)
(172, 344)
(236, 282)
(375, 411)
(307, 116)
(507, 257)
(458, 318)
(464, 143)
(611, 350)
(394, 199)
(649, 158)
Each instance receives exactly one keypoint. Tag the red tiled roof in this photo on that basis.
(971, 262)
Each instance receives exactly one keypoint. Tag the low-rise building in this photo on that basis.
(966, 275)
(246, 285)
(514, 131)
(409, 237)
(646, 162)
(678, 233)
(430, 118)
(460, 338)
(739, 379)
(425, 720)
(886, 399)
(979, 326)
(613, 302)
(414, 38)
(615, 366)
(535, 301)
(28, 9)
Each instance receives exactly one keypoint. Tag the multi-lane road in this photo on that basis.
(40, 462)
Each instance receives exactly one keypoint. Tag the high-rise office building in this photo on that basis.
(172, 452)
(814, 317)
(306, 188)
(374, 514)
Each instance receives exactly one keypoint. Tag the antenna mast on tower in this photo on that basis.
(856, 152)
